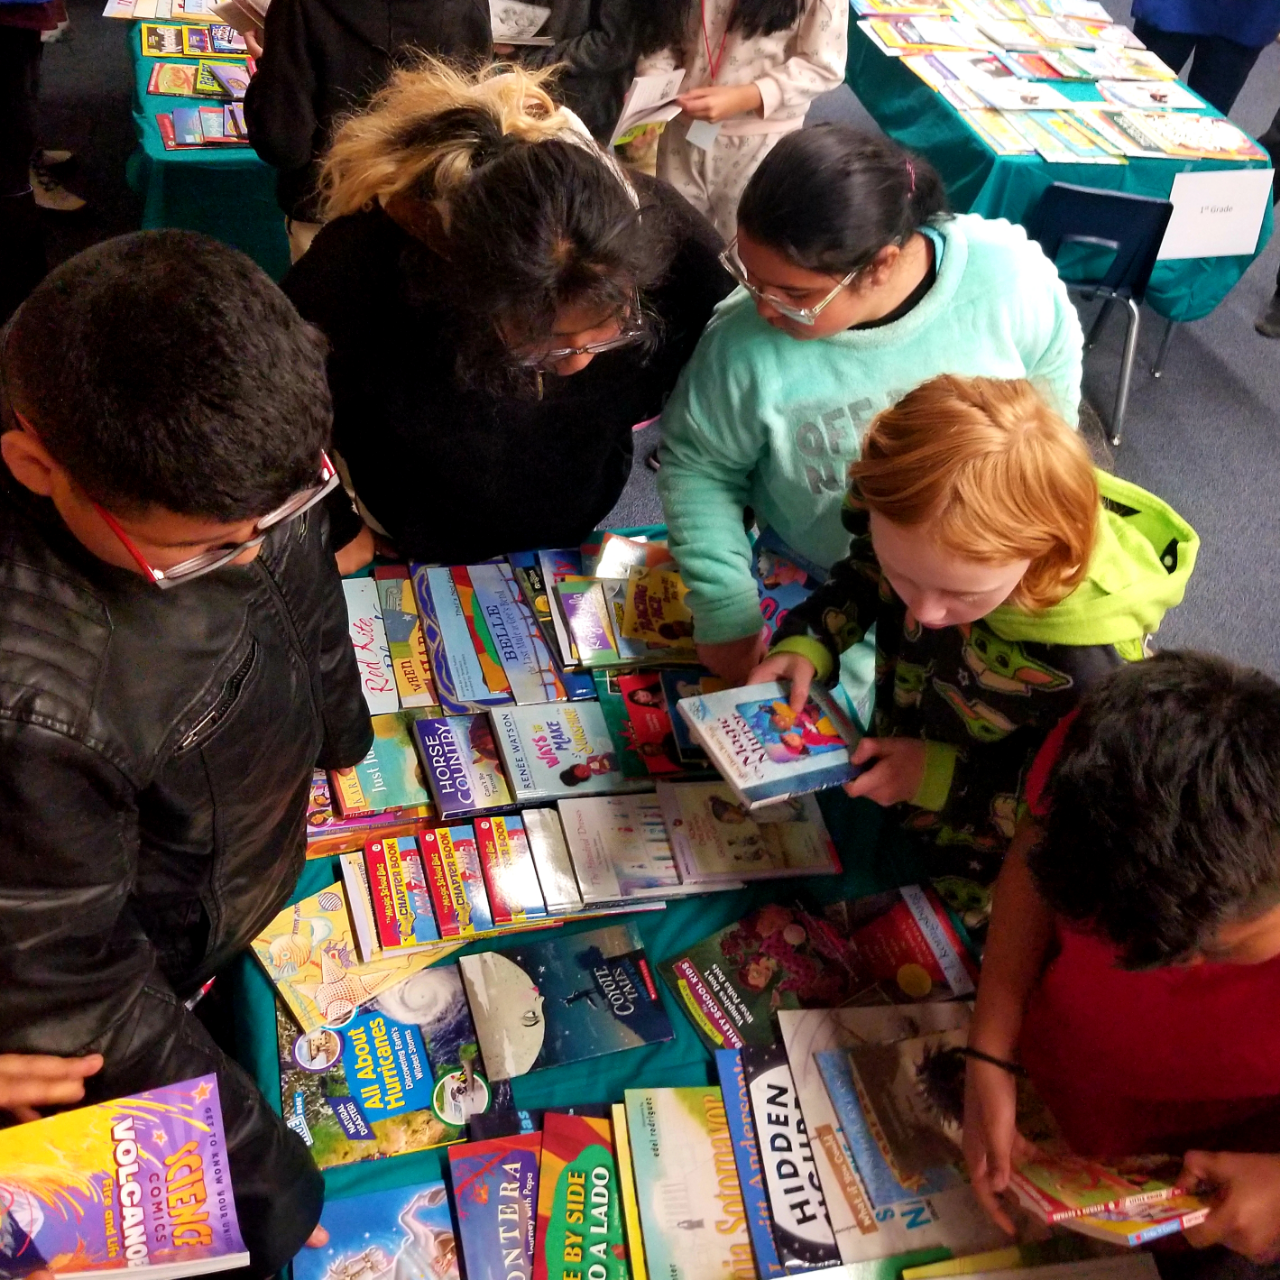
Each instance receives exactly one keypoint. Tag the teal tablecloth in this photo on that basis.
(876, 856)
(979, 181)
(229, 194)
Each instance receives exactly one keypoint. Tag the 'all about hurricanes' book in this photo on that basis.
(404, 1075)
(495, 1190)
(691, 1210)
(563, 999)
(766, 751)
(139, 1184)
(406, 1234)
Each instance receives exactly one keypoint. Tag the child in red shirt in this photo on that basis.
(1133, 959)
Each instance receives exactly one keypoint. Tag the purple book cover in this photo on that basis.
(460, 760)
(140, 1181)
(495, 1188)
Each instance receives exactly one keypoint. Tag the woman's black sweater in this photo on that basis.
(458, 474)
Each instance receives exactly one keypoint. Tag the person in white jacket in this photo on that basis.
(751, 67)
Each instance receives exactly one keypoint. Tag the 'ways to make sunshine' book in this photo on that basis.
(140, 1184)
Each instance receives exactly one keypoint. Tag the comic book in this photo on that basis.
(691, 1208)
(139, 1184)
(495, 1193)
(552, 1000)
(460, 759)
(579, 1231)
(390, 776)
(369, 639)
(765, 750)
(405, 637)
(715, 837)
(509, 871)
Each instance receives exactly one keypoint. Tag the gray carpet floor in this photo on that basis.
(1206, 436)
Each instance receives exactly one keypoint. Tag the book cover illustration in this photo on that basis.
(309, 953)
(551, 859)
(716, 837)
(784, 578)
(619, 847)
(460, 758)
(495, 1192)
(558, 749)
(404, 1075)
(174, 79)
(646, 723)
(588, 618)
(1060, 1186)
(691, 1208)
(763, 749)
(606, 683)
(690, 682)
(390, 776)
(233, 79)
(750, 1165)
(525, 658)
(161, 41)
(559, 566)
(405, 637)
(801, 1229)
(1142, 1223)
(563, 999)
(369, 640)
(455, 666)
(138, 1182)
(509, 872)
(456, 881)
(579, 1231)
(405, 1234)
(329, 833)
(951, 1220)
(630, 1192)
(654, 608)
(482, 643)
(188, 133)
(399, 893)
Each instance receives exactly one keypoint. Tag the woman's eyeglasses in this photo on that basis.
(631, 328)
(733, 264)
(207, 561)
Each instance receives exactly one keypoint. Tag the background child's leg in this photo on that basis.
(732, 161)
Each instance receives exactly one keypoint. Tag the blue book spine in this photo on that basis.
(746, 1152)
(459, 679)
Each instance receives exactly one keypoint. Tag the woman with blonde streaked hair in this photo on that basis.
(1003, 574)
(503, 305)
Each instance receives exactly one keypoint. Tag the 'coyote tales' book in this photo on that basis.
(139, 1184)
(563, 999)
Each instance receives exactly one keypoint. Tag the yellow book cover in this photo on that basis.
(309, 952)
(627, 1185)
(655, 608)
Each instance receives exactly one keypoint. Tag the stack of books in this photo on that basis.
(1001, 63)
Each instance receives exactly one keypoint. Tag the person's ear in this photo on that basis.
(882, 265)
(29, 461)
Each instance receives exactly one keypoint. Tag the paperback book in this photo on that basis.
(329, 832)
(716, 837)
(390, 776)
(563, 999)
(579, 1230)
(526, 661)
(551, 859)
(495, 1192)
(629, 1192)
(619, 848)
(451, 858)
(398, 893)
(1147, 1222)
(482, 642)
(1060, 1187)
(404, 1075)
(405, 639)
(368, 636)
(140, 1184)
(510, 875)
(764, 749)
(691, 1208)
(460, 758)
(407, 1232)
(784, 578)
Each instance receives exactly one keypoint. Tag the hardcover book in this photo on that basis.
(495, 1192)
(402, 1233)
(141, 1184)
(619, 847)
(369, 639)
(764, 750)
(509, 872)
(456, 882)
(579, 1230)
(405, 1074)
(563, 999)
(390, 776)
(405, 638)
(801, 1229)
(460, 759)
(558, 749)
(691, 1208)
(715, 837)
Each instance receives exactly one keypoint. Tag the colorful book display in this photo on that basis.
(390, 776)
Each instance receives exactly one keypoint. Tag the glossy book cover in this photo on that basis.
(390, 776)
(495, 1192)
(454, 876)
(138, 1182)
(460, 759)
(369, 640)
(405, 636)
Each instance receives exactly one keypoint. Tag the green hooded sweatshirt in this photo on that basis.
(984, 696)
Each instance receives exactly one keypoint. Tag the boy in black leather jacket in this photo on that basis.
(174, 662)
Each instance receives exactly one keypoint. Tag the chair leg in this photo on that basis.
(1095, 329)
(1126, 371)
(1157, 369)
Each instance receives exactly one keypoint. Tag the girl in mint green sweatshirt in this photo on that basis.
(857, 287)
(1002, 575)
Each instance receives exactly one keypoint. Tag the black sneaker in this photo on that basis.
(1268, 323)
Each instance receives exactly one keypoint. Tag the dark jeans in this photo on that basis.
(22, 258)
(1220, 67)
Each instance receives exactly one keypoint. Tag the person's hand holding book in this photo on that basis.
(1245, 1190)
(30, 1080)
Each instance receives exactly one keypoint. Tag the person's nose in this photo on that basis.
(931, 610)
(574, 364)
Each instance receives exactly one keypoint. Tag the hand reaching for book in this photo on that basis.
(992, 1143)
(896, 773)
(734, 660)
(718, 102)
(1245, 1190)
(28, 1081)
(791, 667)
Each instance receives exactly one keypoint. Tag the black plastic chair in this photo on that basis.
(1131, 228)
